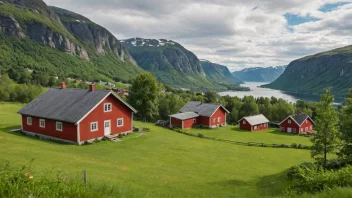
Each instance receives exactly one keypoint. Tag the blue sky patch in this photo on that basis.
(331, 7)
(293, 19)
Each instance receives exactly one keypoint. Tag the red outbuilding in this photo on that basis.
(77, 115)
(300, 123)
(199, 114)
(254, 123)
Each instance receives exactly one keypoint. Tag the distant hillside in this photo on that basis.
(313, 74)
(218, 73)
(259, 74)
(170, 62)
(57, 42)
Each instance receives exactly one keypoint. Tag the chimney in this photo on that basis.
(92, 87)
(63, 85)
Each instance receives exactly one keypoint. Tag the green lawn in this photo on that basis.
(270, 136)
(161, 163)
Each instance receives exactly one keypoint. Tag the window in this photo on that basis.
(289, 121)
(214, 120)
(264, 125)
(255, 127)
(29, 121)
(306, 128)
(219, 119)
(306, 121)
(59, 126)
(42, 123)
(311, 127)
(244, 122)
(93, 126)
(120, 122)
(302, 130)
(194, 121)
(107, 107)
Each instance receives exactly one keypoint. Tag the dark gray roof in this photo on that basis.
(184, 116)
(300, 118)
(257, 119)
(202, 109)
(67, 105)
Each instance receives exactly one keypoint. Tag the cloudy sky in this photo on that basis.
(235, 33)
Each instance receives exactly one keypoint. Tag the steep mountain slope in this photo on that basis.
(218, 73)
(170, 62)
(259, 74)
(33, 36)
(313, 74)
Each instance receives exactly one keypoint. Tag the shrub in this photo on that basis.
(293, 145)
(200, 135)
(120, 135)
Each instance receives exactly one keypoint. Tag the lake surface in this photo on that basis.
(257, 92)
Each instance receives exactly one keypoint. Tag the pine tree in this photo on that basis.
(346, 130)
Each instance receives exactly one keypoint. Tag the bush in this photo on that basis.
(293, 145)
(200, 135)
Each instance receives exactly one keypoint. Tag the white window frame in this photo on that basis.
(117, 123)
(62, 126)
(29, 120)
(289, 121)
(40, 123)
(307, 121)
(265, 125)
(311, 127)
(219, 119)
(107, 105)
(306, 128)
(91, 126)
(244, 122)
(255, 127)
(194, 121)
(214, 120)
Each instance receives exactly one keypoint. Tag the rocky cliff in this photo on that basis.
(314, 74)
(259, 74)
(218, 73)
(67, 32)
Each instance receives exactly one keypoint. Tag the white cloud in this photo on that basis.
(235, 33)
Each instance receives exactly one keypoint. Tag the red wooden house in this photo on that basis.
(254, 123)
(200, 114)
(77, 115)
(300, 123)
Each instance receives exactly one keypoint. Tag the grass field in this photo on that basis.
(160, 163)
(270, 136)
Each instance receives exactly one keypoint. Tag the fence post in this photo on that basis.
(85, 177)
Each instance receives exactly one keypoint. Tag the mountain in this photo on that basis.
(61, 43)
(259, 74)
(170, 62)
(218, 73)
(313, 74)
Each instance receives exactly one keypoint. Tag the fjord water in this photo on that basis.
(257, 91)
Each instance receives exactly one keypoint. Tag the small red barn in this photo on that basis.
(200, 114)
(300, 123)
(77, 115)
(254, 123)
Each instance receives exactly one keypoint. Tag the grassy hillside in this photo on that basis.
(313, 74)
(33, 37)
(160, 163)
(218, 73)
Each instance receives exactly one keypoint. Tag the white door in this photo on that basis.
(107, 128)
(289, 130)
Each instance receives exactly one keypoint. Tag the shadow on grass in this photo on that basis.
(19, 134)
(273, 185)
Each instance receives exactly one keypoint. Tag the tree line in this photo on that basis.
(155, 101)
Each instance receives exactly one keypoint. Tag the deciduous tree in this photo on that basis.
(326, 139)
